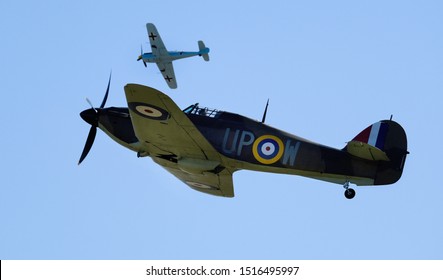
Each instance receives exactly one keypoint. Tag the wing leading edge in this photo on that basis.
(173, 141)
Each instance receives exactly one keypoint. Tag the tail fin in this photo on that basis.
(203, 50)
(384, 141)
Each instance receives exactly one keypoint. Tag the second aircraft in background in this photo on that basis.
(163, 58)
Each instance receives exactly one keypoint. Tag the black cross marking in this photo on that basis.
(168, 78)
(152, 36)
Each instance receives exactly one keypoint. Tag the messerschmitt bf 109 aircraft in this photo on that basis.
(163, 58)
(204, 147)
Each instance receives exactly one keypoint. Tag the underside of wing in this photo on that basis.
(167, 135)
(167, 71)
(157, 46)
(219, 184)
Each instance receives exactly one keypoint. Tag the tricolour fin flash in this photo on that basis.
(370, 143)
(374, 135)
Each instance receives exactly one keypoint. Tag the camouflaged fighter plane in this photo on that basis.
(204, 147)
(163, 58)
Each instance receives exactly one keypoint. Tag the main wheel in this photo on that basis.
(349, 193)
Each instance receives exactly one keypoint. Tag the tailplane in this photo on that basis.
(370, 143)
(203, 50)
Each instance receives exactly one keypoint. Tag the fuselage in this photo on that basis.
(257, 146)
(171, 56)
(252, 145)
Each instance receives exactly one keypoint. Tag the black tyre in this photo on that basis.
(349, 193)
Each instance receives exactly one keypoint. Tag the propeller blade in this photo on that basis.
(91, 116)
(107, 91)
(141, 53)
(141, 56)
(90, 103)
(88, 144)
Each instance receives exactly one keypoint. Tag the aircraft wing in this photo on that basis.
(167, 71)
(173, 141)
(157, 46)
(216, 184)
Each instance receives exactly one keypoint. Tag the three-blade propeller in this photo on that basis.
(140, 57)
(91, 116)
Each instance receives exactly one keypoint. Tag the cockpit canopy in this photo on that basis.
(202, 111)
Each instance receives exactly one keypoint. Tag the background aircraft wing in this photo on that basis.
(167, 71)
(157, 46)
(173, 141)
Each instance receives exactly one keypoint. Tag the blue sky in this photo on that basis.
(330, 69)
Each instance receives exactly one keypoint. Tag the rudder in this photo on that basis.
(203, 50)
(396, 148)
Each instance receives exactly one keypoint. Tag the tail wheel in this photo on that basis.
(349, 193)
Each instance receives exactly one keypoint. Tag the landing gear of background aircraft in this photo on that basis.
(349, 192)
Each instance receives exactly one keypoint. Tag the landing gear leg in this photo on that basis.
(349, 192)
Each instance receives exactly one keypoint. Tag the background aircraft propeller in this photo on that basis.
(140, 57)
(91, 116)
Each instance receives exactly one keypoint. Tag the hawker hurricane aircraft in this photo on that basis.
(163, 58)
(203, 147)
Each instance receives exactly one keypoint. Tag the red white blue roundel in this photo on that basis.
(268, 149)
(149, 111)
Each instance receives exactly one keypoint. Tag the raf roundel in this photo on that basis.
(149, 111)
(267, 149)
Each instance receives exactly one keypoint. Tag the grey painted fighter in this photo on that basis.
(204, 147)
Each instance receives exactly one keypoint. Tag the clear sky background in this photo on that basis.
(330, 69)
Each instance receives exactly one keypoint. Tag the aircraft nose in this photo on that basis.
(90, 116)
